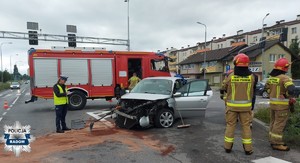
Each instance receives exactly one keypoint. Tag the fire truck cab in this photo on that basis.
(92, 73)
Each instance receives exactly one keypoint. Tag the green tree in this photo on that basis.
(294, 47)
(6, 76)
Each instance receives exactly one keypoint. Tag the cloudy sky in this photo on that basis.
(154, 24)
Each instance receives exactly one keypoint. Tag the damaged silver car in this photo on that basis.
(155, 101)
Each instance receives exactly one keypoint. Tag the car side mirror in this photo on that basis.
(177, 94)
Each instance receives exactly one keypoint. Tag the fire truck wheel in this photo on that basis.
(77, 100)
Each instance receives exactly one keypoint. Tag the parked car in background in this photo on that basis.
(297, 85)
(26, 82)
(260, 90)
(156, 101)
(15, 85)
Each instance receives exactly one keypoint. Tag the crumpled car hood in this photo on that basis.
(145, 96)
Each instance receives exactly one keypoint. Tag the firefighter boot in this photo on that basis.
(280, 147)
(247, 152)
(228, 150)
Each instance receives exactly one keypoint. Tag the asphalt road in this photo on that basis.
(202, 142)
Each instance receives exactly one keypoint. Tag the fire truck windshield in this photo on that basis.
(159, 65)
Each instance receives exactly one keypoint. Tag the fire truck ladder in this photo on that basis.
(63, 38)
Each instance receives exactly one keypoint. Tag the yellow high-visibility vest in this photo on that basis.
(60, 100)
(240, 103)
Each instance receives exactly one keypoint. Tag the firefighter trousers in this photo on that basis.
(277, 124)
(231, 121)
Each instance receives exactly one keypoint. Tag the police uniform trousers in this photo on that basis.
(61, 112)
(231, 121)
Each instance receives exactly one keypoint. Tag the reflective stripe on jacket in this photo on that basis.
(277, 87)
(60, 100)
(240, 92)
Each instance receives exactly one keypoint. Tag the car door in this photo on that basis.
(193, 99)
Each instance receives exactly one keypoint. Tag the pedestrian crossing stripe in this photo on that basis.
(270, 159)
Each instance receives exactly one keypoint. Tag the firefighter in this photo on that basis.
(281, 90)
(222, 90)
(60, 94)
(133, 81)
(239, 88)
(253, 100)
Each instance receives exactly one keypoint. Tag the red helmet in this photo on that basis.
(282, 64)
(241, 60)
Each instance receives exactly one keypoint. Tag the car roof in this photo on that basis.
(163, 77)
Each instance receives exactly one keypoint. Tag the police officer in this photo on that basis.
(239, 89)
(281, 90)
(60, 94)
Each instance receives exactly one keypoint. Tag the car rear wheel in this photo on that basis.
(77, 100)
(265, 94)
(164, 118)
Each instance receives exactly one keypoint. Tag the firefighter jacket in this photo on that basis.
(277, 87)
(239, 92)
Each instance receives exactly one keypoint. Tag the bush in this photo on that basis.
(4, 86)
(292, 129)
(263, 114)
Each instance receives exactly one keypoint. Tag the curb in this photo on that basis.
(261, 124)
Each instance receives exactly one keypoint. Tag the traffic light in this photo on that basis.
(33, 38)
(72, 40)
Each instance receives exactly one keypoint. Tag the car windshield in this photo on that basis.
(14, 83)
(154, 86)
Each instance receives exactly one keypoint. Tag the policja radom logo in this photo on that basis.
(17, 138)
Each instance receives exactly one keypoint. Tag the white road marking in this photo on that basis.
(15, 100)
(23, 91)
(1, 94)
(4, 113)
(27, 94)
(97, 114)
(7, 95)
(1, 119)
(269, 159)
(8, 109)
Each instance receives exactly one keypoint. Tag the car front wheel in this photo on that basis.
(164, 118)
(265, 94)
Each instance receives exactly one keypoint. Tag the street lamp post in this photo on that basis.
(204, 61)
(1, 58)
(263, 48)
(128, 46)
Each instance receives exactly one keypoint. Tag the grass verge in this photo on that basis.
(4, 86)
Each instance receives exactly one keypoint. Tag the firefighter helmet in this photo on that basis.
(282, 64)
(241, 60)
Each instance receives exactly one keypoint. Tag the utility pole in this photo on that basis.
(128, 45)
(204, 61)
(1, 59)
(263, 48)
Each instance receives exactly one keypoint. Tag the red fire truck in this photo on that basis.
(92, 73)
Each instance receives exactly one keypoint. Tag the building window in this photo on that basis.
(272, 57)
(255, 38)
(221, 45)
(294, 30)
(218, 46)
(280, 56)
